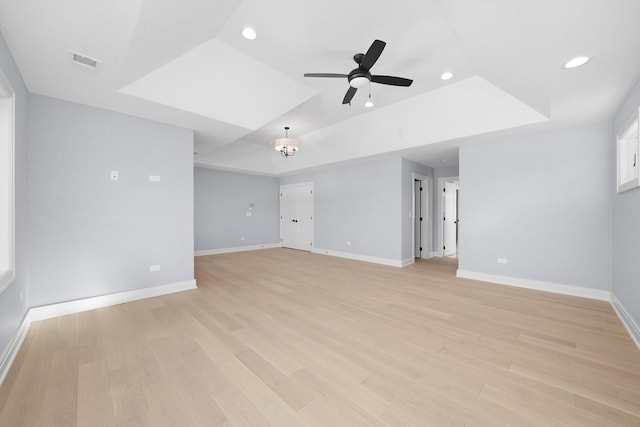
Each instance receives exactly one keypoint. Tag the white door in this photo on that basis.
(417, 218)
(421, 219)
(288, 212)
(450, 229)
(296, 216)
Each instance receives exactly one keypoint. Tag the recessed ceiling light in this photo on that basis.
(576, 62)
(368, 104)
(249, 33)
(446, 75)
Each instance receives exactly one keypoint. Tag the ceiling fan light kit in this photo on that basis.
(358, 82)
(286, 146)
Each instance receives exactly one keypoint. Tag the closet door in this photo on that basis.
(296, 216)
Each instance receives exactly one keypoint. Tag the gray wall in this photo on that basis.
(221, 202)
(626, 236)
(360, 203)
(445, 172)
(544, 202)
(12, 307)
(92, 236)
(408, 169)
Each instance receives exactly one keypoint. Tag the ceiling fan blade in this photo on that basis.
(325, 75)
(349, 95)
(372, 55)
(391, 80)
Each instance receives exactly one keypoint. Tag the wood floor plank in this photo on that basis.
(23, 406)
(95, 406)
(268, 349)
(59, 406)
(289, 338)
(293, 396)
(322, 363)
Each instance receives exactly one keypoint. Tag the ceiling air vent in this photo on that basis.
(84, 60)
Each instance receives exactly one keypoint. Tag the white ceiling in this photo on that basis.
(184, 62)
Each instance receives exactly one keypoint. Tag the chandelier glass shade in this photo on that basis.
(286, 146)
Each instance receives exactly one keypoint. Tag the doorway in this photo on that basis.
(422, 222)
(296, 216)
(449, 216)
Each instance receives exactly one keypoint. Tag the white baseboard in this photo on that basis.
(236, 249)
(407, 261)
(365, 258)
(9, 356)
(537, 285)
(428, 255)
(626, 319)
(78, 306)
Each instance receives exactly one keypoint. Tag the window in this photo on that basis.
(627, 141)
(7, 241)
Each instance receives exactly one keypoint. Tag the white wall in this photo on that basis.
(626, 236)
(359, 203)
(89, 235)
(12, 307)
(221, 202)
(544, 202)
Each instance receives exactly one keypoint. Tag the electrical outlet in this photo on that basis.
(154, 267)
(502, 260)
(242, 238)
(348, 242)
(154, 178)
(114, 175)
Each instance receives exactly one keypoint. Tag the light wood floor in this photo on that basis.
(286, 338)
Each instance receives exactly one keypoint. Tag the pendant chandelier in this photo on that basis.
(286, 146)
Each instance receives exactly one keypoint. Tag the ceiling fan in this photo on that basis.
(361, 76)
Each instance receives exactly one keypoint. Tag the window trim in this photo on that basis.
(7, 265)
(632, 122)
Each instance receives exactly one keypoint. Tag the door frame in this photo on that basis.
(441, 181)
(313, 211)
(427, 226)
